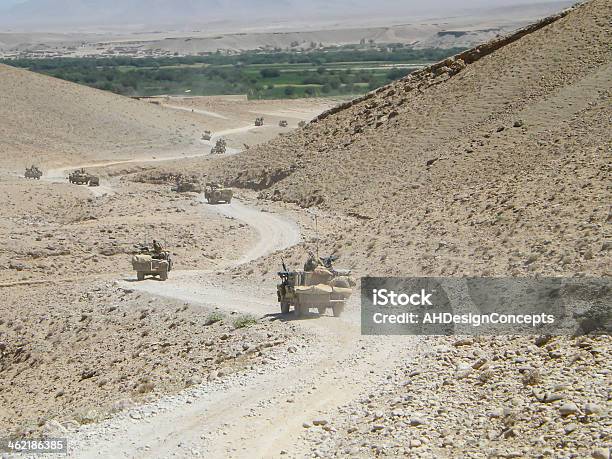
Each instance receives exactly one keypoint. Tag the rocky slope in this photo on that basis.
(50, 121)
(512, 397)
(496, 162)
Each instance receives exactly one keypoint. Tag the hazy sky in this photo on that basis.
(416, 3)
(6, 3)
(150, 12)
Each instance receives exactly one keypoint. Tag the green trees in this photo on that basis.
(269, 73)
(303, 73)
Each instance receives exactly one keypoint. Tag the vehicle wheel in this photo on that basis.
(321, 310)
(284, 307)
(338, 310)
(140, 276)
(163, 276)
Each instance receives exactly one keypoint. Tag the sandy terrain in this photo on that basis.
(96, 126)
(495, 166)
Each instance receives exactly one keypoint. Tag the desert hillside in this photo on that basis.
(494, 162)
(51, 122)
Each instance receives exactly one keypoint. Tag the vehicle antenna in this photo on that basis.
(166, 233)
(317, 233)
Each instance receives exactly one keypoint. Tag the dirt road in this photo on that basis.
(259, 412)
(196, 110)
(274, 233)
(59, 175)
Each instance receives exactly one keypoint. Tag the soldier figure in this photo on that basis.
(157, 247)
(311, 262)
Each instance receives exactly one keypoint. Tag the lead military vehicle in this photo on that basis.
(319, 286)
(154, 262)
(259, 121)
(33, 172)
(216, 194)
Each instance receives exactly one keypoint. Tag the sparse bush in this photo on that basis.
(213, 318)
(245, 320)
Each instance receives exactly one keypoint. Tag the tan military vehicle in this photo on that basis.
(79, 177)
(283, 123)
(185, 185)
(216, 194)
(94, 180)
(219, 148)
(33, 173)
(259, 121)
(207, 135)
(152, 262)
(319, 286)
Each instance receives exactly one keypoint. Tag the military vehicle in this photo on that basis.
(94, 180)
(80, 177)
(215, 194)
(152, 262)
(185, 185)
(219, 148)
(283, 123)
(33, 173)
(319, 286)
(207, 135)
(259, 121)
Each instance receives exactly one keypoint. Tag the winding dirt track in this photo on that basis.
(59, 175)
(260, 412)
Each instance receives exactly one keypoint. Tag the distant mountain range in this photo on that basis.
(83, 13)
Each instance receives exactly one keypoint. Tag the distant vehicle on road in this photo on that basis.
(216, 194)
(220, 147)
(79, 177)
(33, 172)
(186, 185)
